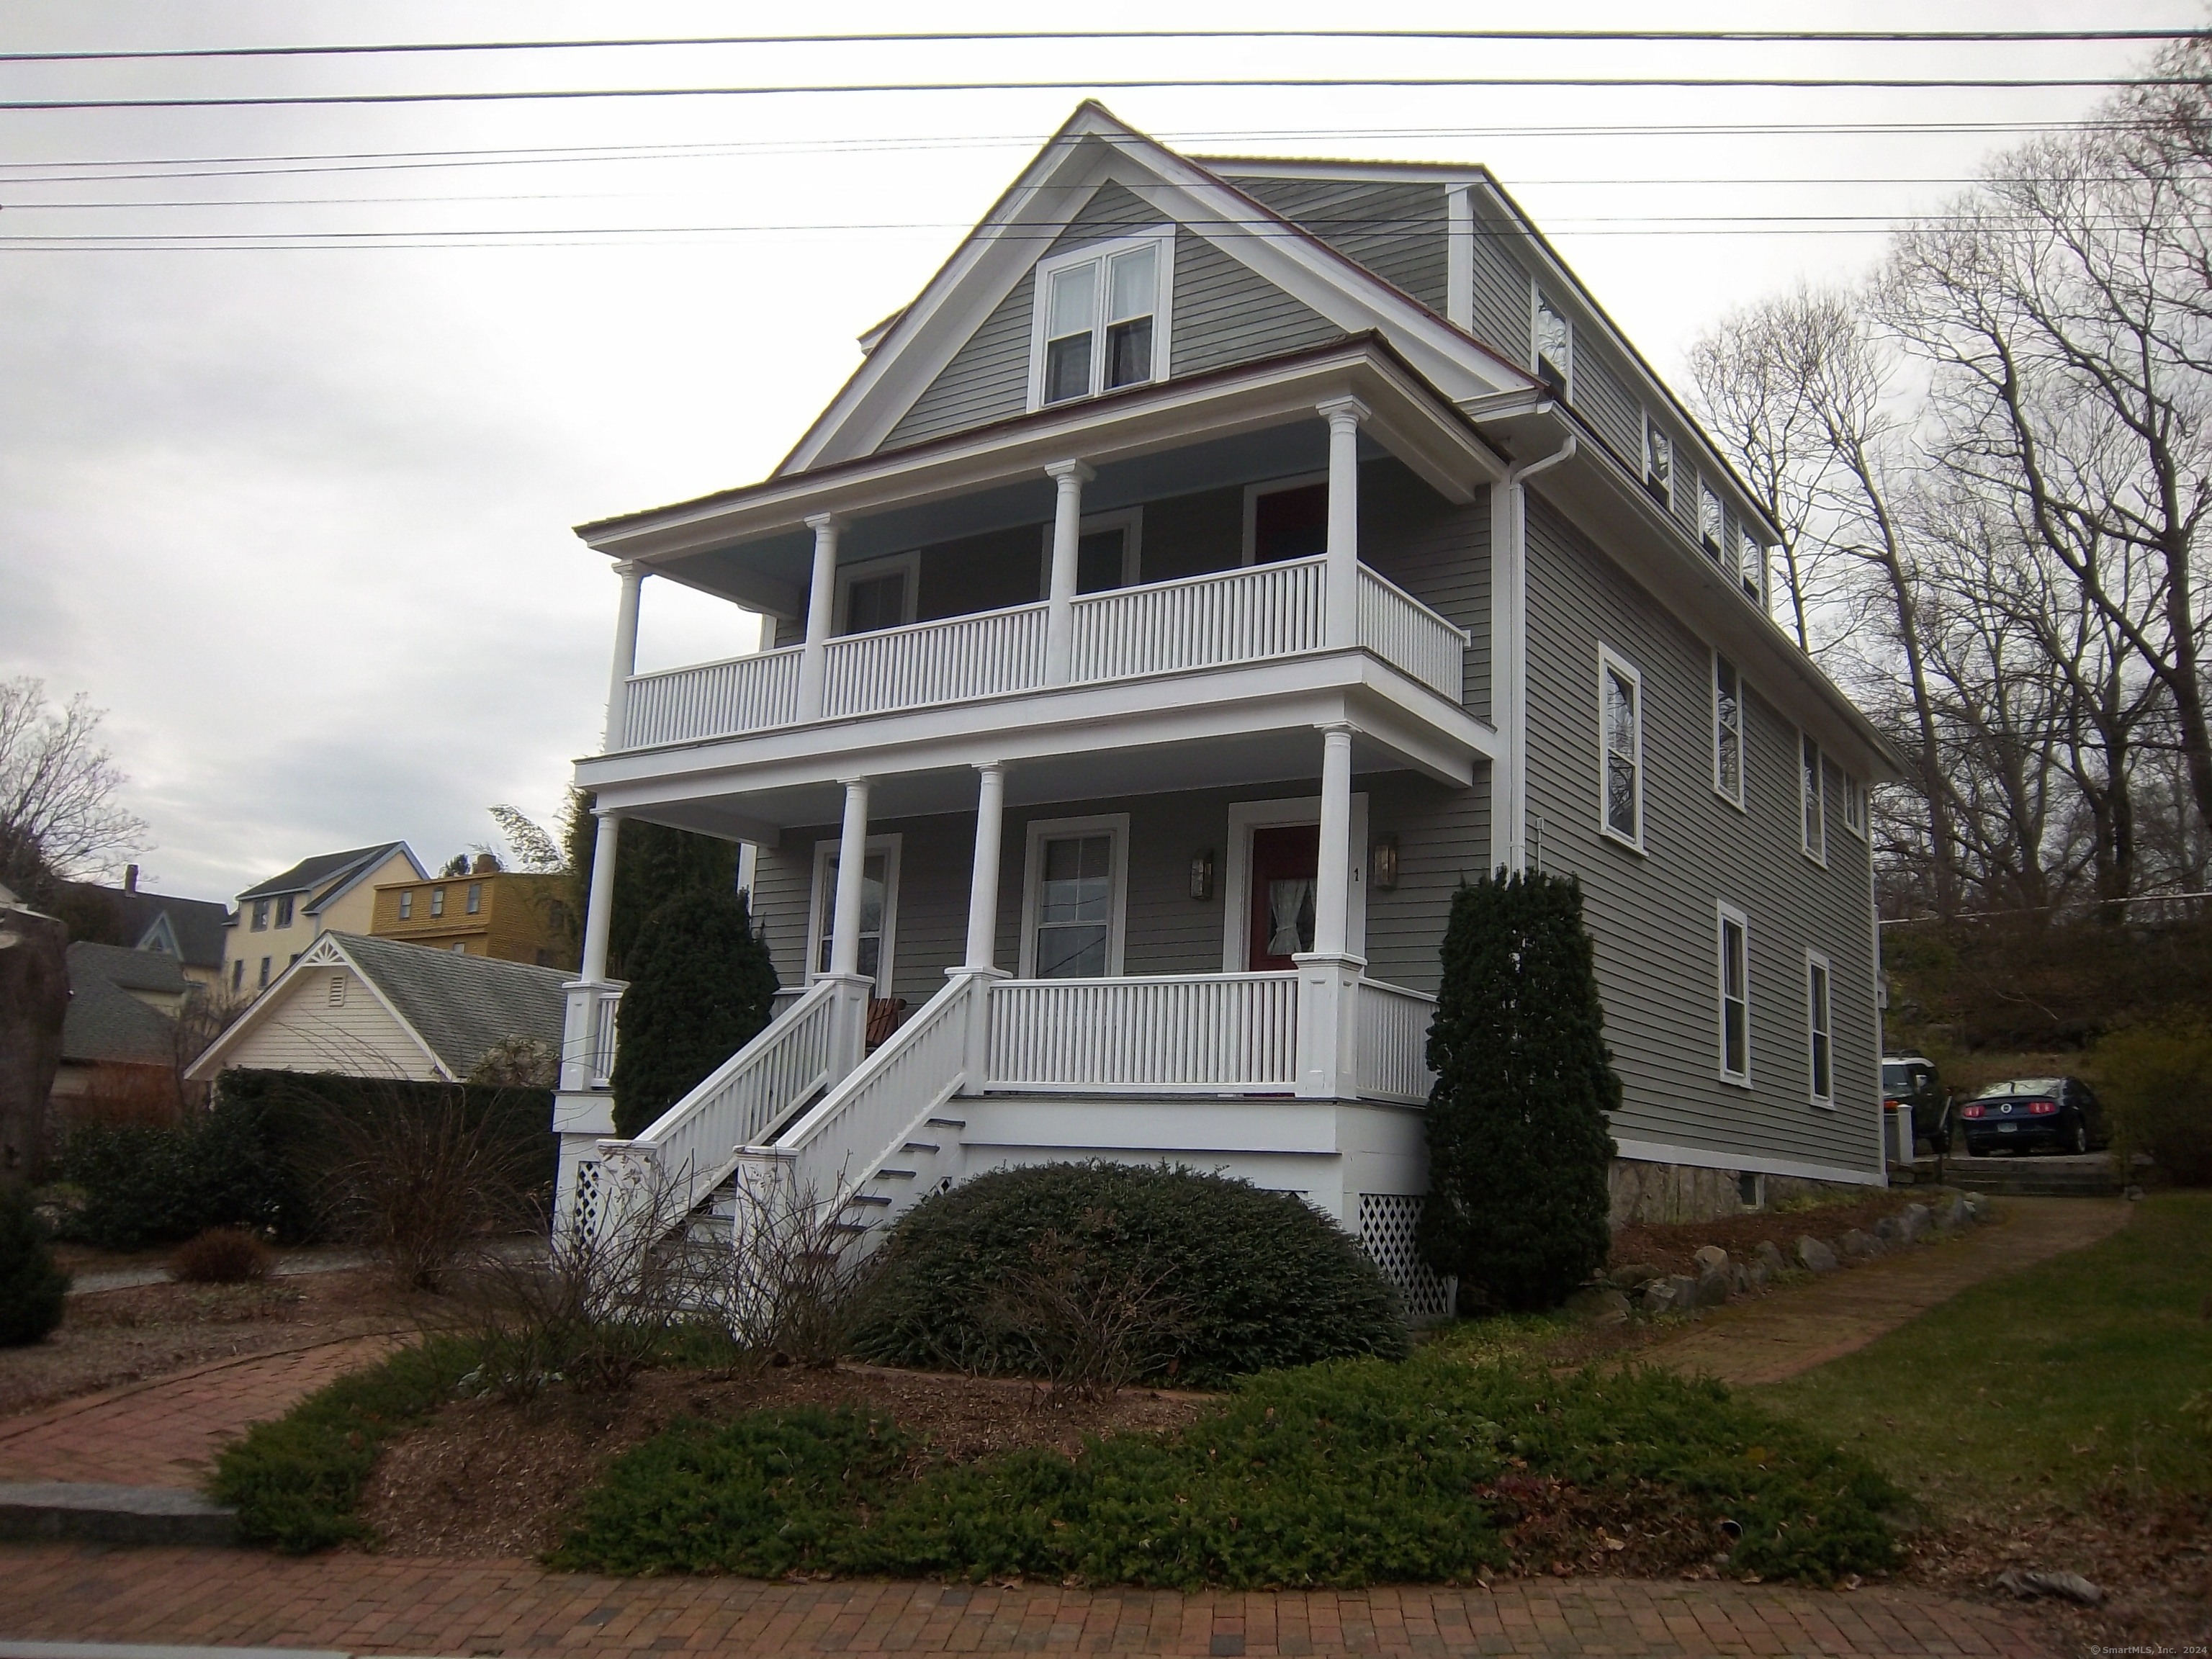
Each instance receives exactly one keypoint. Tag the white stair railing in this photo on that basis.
(694, 1143)
(951, 661)
(1406, 633)
(713, 699)
(1199, 622)
(1195, 1033)
(1394, 1039)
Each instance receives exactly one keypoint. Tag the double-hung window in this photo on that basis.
(1075, 898)
(1750, 562)
(1555, 346)
(1102, 319)
(407, 905)
(1735, 965)
(878, 593)
(1711, 526)
(1658, 461)
(879, 909)
(1812, 798)
(1727, 731)
(476, 897)
(1855, 806)
(284, 911)
(437, 901)
(1820, 1045)
(260, 922)
(1620, 739)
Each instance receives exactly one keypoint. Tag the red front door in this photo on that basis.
(1281, 902)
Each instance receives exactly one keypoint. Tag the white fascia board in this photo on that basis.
(1437, 444)
(1445, 175)
(1426, 732)
(1699, 1157)
(1096, 1121)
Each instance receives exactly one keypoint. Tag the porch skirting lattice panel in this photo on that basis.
(1387, 1221)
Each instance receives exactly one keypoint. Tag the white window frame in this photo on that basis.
(1269, 487)
(1115, 824)
(1609, 662)
(437, 901)
(1812, 801)
(407, 905)
(1653, 429)
(1163, 239)
(1130, 520)
(1539, 302)
(1742, 761)
(822, 902)
(1245, 816)
(474, 904)
(1820, 1027)
(1750, 561)
(1855, 806)
(867, 570)
(1716, 549)
(1724, 914)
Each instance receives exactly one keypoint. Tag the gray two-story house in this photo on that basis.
(1214, 566)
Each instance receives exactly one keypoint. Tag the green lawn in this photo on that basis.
(2064, 1377)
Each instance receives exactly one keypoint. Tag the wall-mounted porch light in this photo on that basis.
(1201, 874)
(1383, 864)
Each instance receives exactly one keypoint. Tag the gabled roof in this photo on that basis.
(452, 1006)
(326, 875)
(189, 930)
(105, 1021)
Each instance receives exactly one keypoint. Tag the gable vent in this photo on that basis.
(337, 990)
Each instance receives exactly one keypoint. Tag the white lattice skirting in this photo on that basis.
(1387, 1221)
(584, 1208)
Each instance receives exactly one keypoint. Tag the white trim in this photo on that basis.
(1245, 816)
(907, 563)
(325, 951)
(1697, 1157)
(1812, 805)
(1819, 1012)
(1611, 663)
(1130, 520)
(1270, 487)
(1539, 302)
(822, 897)
(1742, 759)
(1855, 796)
(1724, 912)
(1459, 258)
(1115, 825)
(1161, 238)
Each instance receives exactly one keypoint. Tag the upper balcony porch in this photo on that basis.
(1185, 563)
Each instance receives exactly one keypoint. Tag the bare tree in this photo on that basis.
(59, 815)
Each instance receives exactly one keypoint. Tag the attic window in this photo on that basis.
(1102, 319)
(1555, 347)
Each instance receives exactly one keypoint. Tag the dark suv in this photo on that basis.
(1911, 1079)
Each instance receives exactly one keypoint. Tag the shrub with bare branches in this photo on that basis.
(1091, 1324)
(222, 1256)
(794, 1280)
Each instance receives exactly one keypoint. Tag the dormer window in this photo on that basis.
(1555, 347)
(1102, 319)
(1658, 462)
(1710, 527)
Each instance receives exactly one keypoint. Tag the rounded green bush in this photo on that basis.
(30, 1286)
(1233, 1279)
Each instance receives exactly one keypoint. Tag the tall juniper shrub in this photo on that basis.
(1518, 1146)
(700, 988)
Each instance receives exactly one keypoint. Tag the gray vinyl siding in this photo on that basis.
(1654, 915)
(1226, 313)
(1438, 552)
(1395, 230)
(1443, 835)
(1601, 394)
(1501, 293)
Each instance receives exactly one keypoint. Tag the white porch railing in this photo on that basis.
(587, 1036)
(715, 699)
(1406, 633)
(1199, 622)
(950, 661)
(737, 1104)
(1394, 1040)
(1198, 1034)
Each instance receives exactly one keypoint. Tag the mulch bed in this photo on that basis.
(487, 1479)
(1672, 1247)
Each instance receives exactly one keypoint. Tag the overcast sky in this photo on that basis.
(297, 515)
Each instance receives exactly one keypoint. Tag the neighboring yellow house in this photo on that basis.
(510, 914)
(278, 919)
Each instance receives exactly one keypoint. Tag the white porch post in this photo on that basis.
(1068, 478)
(1344, 416)
(849, 1028)
(1329, 974)
(625, 659)
(821, 603)
(600, 905)
(979, 966)
(583, 1110)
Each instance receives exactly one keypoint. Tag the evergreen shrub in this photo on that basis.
(1246, 1280)
(30, 1286)
(1519, 1150)
(2156, 1081)
(701, 987)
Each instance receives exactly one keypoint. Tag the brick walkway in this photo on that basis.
(164, 1431)
(361, 1603)
(1769, 1338)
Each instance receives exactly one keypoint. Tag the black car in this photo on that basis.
(1911, 1080)
(2059, 1113)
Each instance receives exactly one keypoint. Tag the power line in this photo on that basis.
(1279, 84)
(1564, 37)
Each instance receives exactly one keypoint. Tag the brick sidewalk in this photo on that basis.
(364, 1603)
(164, 1431)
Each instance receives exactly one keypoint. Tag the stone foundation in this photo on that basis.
(1660, 1193)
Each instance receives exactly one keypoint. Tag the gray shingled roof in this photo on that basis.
(105, 1021)
(196, 923)
(461, 1004)
(312, 874)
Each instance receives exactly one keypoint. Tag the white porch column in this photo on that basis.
(821, 604)
(1329, 974)
(600, 905)
(625, 660)
(1344, 416)
(1068, 477)
(979, 967)
(849, 1022)
(585, 1058)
